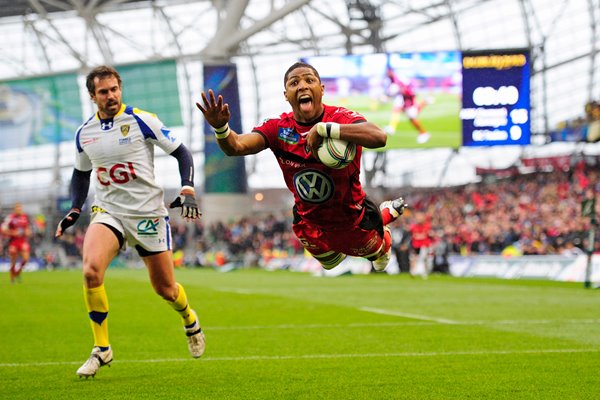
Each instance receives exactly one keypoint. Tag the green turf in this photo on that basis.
(440, 119)
(284, 335)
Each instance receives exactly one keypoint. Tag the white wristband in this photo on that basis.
(328, 130)
(222, 132)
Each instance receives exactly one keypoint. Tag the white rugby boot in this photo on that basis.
(396, 206)
(195, 338)
(97, 359)
(423, 137)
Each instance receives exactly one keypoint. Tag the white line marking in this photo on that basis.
(407, 315)
(401, 323)
(315, 326)
(320, 356)
(532, 322)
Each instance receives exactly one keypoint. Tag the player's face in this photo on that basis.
(304, 91)
(18, 210)
(107, 96)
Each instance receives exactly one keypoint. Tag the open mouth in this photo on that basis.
(305, 102)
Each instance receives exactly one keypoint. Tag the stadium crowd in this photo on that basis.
(535, 213)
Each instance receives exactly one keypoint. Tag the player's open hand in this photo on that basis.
(187, 201)
(215, 111)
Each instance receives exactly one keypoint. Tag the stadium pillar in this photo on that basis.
(588, 267)
(226, 185)
(588, 209)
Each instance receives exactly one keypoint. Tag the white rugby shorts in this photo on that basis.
(152, 233)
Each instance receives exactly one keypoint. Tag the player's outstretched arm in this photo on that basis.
(217, 114)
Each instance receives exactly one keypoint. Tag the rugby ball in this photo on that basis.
(336, 153)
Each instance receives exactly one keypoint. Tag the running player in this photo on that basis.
(404, 102)
(421, 234)
(117, 143)
(333, 217)
(17, 228)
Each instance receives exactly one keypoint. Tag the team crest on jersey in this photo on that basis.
(148, 227)
(106, 124)
(288, 135)
(124, 130)
(313, 186)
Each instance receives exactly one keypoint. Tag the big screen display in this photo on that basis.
(434, 99)
(496, 101)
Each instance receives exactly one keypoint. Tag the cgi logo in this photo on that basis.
(148, 227)
(118, 173)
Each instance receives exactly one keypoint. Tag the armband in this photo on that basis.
(328, 130)
(222, 132)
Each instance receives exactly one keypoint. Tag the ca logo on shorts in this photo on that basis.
(313, 186)
(147, 227)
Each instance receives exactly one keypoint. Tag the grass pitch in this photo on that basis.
(284, 335)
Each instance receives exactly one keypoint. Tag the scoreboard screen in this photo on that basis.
(495, 100)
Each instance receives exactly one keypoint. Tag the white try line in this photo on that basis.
(408, 315)
(318, 356)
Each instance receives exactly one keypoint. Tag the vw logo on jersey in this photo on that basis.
(106, 124)
(313, 186)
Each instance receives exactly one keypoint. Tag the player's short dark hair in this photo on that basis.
(297, 65)
(103, 71)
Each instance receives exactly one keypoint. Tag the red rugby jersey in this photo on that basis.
(18, 224)
(328, 198)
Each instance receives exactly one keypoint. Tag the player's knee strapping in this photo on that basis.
(330, 259)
